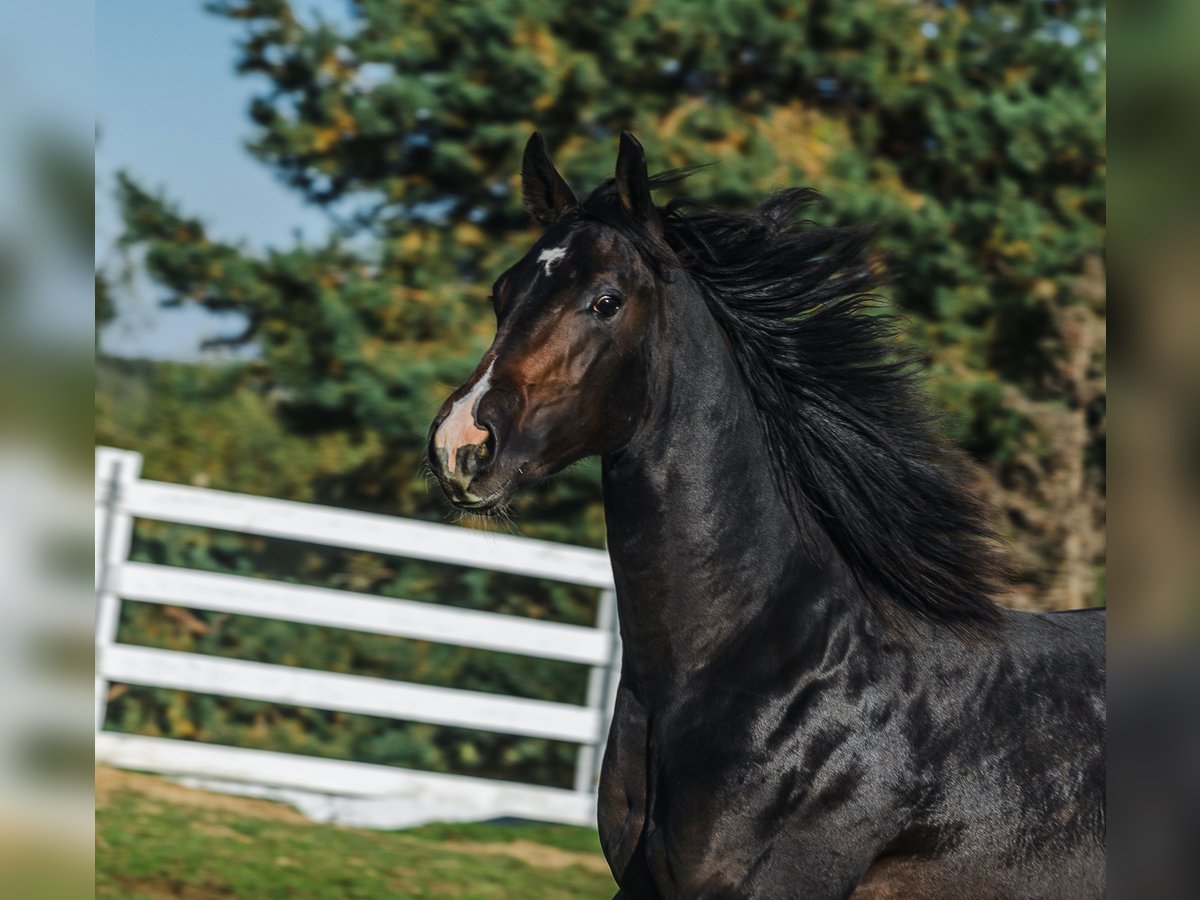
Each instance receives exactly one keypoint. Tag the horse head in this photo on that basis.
(568, 372)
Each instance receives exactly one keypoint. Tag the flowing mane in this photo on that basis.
(843, 411)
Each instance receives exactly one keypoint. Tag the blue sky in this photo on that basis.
(46, 64)
(171, 111)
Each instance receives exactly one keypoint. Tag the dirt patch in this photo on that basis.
(445, 889)
(115, 781)
(167, 887)
(533, 854)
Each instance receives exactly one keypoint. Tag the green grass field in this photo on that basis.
(156, 839)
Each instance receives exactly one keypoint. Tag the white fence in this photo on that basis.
(353, 793)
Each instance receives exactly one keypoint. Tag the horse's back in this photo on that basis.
(1091, 622)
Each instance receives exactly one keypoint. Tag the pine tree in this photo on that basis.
(972, 136)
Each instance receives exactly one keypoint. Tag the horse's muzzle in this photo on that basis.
(461, 458)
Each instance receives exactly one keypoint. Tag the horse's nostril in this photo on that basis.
(488, 448)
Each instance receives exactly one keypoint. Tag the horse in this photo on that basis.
(820, 696)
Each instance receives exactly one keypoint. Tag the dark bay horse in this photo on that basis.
(819, 697)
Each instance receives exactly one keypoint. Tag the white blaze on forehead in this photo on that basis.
(549, 257)
(459, 429)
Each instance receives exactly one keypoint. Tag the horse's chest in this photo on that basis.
(711, 830)
(694, 835)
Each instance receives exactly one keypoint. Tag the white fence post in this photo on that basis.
(587, 763)
(116, 470)
(612, 678)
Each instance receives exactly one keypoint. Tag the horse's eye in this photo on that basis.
(606, 306)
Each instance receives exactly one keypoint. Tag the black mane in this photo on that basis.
(842, 409)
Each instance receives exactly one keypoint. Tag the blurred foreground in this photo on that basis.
(46, 280)
(1154, 686)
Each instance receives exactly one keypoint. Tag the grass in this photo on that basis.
(156, 839)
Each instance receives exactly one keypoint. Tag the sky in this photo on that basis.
(46, 67)
(171, 111)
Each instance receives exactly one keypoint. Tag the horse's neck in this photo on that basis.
(703, 544)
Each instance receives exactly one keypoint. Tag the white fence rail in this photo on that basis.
(354, 793)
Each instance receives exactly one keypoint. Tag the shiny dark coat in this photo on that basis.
(818, 697)
(775, 736)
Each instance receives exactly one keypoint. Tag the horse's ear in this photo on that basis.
(543, 191)
(633, 182)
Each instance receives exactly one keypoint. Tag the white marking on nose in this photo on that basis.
(549, 257)
(459, 429)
